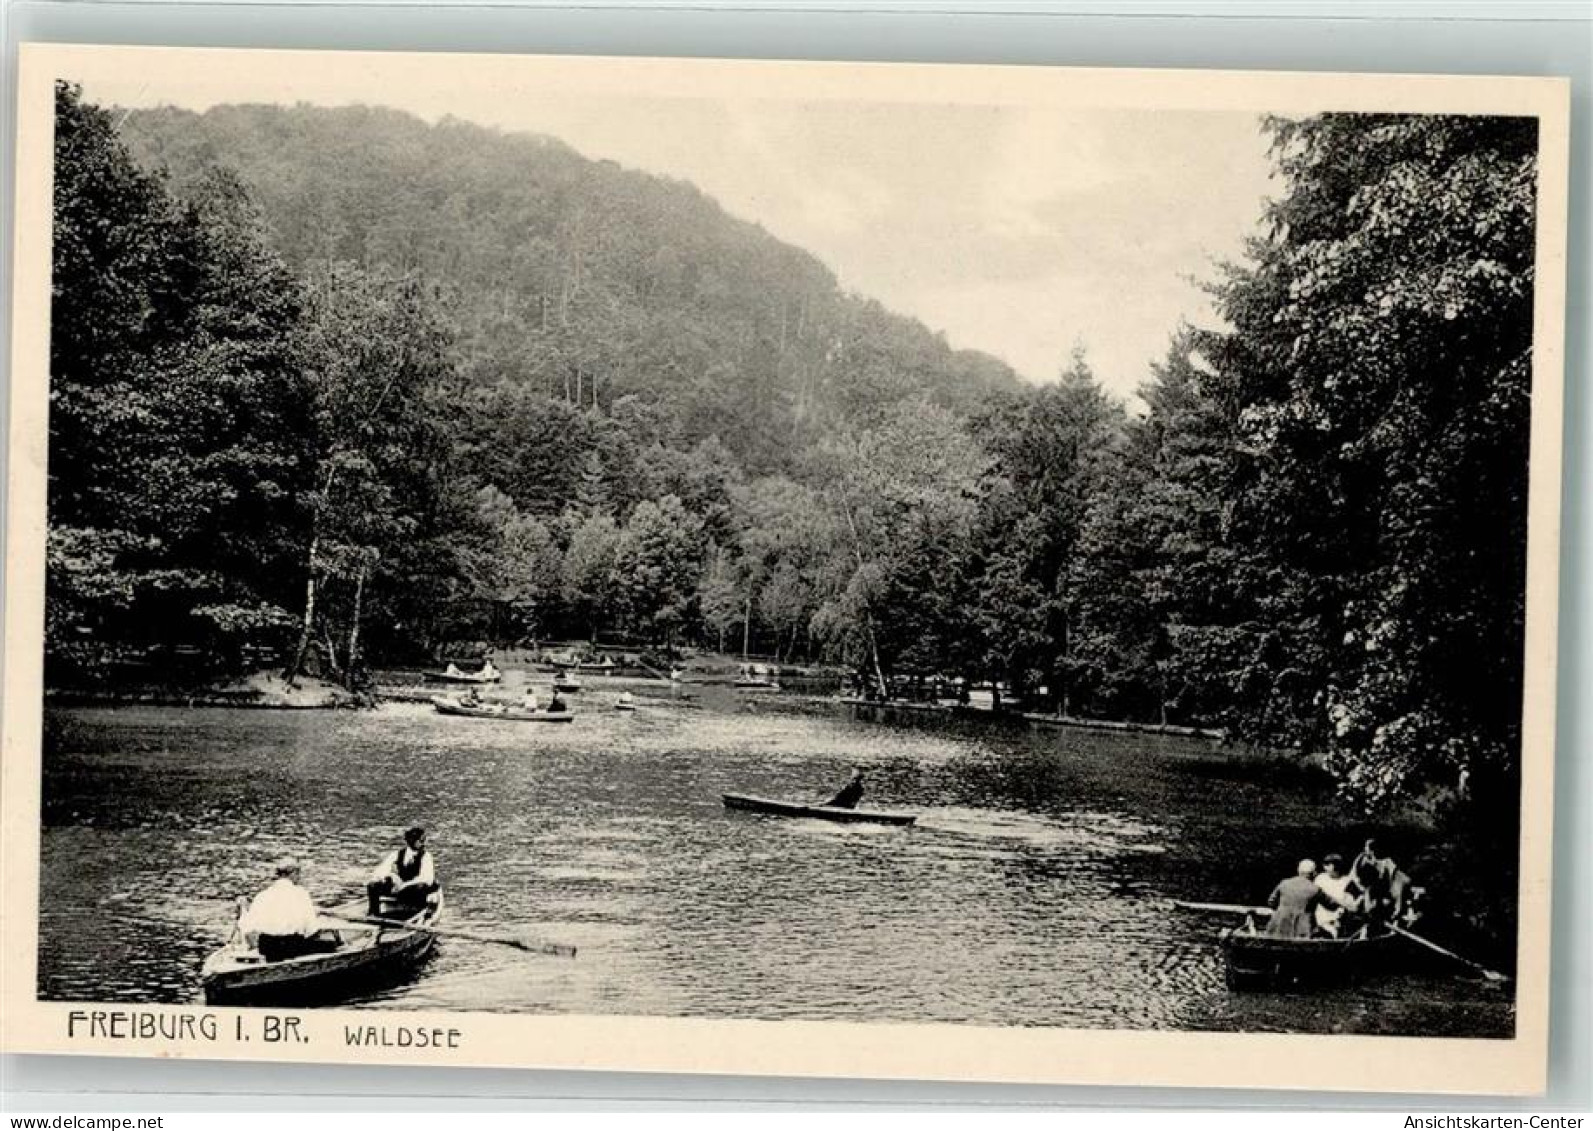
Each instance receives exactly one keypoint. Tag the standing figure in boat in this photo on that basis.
(851, 793)
(282, 921)
(1387, 889)
(1294, 901)
(405, 875)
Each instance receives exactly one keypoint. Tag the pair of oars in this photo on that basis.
(530, 946)
(1241, 909)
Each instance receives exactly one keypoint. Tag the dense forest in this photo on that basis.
(336, 387)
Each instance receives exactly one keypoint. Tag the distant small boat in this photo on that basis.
(370, 957)
(487, 674)
(500, 711)
(755, 683)
(626, 705)
(562, 682)
(818, 812)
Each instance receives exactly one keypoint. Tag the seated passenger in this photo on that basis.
(282, 921)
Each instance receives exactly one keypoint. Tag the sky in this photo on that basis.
(1020, 229)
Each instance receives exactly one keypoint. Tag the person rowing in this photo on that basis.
(406, 876)
(851, 793)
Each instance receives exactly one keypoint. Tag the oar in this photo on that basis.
(1491, 975)
(558, 950)
(1233, 908)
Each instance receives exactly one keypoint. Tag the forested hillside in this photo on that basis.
(342, 387)
(577, 282)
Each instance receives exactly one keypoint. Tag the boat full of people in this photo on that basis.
(474, 707)
(1320, 925)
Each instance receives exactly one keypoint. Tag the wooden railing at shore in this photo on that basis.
(956, 712)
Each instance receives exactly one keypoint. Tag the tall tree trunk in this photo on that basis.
(746, 629)
(868, 614)
(296, 662)
(354, 625)
(334, 669)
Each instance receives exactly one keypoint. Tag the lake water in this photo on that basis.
(1033, 890)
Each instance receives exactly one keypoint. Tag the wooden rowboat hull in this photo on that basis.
(446, 708)
(1259, 961)
(818, 812)
(373, 960)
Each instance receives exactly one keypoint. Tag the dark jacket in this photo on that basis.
(849, 796)
(1295, 899)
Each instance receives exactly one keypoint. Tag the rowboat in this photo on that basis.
(1254, 960)
(500, 711)
(485, 675)
(755, 684)
(819, 812)
(370, 957)
(566, 683)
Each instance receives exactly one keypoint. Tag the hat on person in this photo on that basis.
(1307, 868)
(414, 834)
(286, 866)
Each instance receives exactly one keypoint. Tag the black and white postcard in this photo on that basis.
(938, 572)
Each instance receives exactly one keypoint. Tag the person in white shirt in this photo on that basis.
(1342, 896)
(529, 703)
(282, 921)
(406, 875)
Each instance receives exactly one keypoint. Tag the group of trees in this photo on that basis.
(454, 385)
